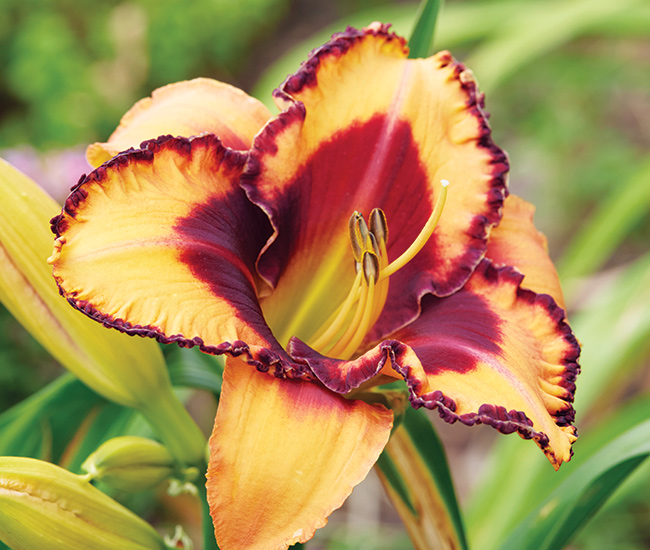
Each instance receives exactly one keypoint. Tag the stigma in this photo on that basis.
(341, 335)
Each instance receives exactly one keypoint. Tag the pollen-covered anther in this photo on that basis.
(370, 267)
(379, 225)
(358, 235)
(346, 329)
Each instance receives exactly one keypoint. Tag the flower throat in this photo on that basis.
(343, 332)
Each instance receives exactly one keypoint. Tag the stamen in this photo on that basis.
(370, 267)
(379, 225)
(350, 332)
(364, 324)
(421, 239)
(374, 245)
(337, 323)
(369, 248)
(359, 326)
(358, 235)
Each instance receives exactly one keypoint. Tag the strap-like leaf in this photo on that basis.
(604, 231)
(559, 517)
(413, 469)
(193, 369)
(508, 492)
(54, 414)
(425, 25)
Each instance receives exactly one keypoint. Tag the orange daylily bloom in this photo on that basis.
(254, 247)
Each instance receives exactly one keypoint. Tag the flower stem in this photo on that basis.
(176, 428)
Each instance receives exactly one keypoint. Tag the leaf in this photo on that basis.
(194, 369)
(556, 520)
(413, 469)
(103, 359)
(535, 28)
(518, 473)
(608, 226)
(425, 25)
(42, 425)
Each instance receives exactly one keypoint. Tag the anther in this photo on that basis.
(378, 224)
(374, 245)
(358, 235)
(370, 267)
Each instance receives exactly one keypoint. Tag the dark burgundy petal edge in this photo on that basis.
(339, 43)
(264, 359)
(336, 374)
(265, 144)
(145, 153)
(295, 112)
(344, 376)
(498, 185)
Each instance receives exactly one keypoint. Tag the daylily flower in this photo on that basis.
(320, 252)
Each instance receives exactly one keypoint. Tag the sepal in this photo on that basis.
(44, 507)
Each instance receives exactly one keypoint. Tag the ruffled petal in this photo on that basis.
(495, 354)
(187, 109)
(516, 242)
(161, 242)
(365, 127)
(283, 455)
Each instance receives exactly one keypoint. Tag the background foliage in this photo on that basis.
(569, 92)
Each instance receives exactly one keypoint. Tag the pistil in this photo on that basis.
(344, 331)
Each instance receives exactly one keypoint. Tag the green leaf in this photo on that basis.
(421, 39)
(413, 468)
(608, 226)
(556, 520)
(193, 369)
(43, 425)
(615, 334)
(518, 475)
(535, 28)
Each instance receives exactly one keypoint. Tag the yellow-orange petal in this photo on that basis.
(187, 109)
(366, 127)
(283, 455)
(161, 242)
(496, 354)
(516, 242)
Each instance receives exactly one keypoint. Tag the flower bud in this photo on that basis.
(129, 371)
(104, 360)
(44, 507)
(131, 464)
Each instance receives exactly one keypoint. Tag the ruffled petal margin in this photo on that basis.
(187, 109)
(493, 353)
(283, 455)
(497, 354)
(365, 127)
(161, 242)
(516, 242)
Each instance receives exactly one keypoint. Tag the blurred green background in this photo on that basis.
(568, 86)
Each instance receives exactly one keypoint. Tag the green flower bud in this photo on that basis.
(44, 507)
(129, 371)
(131, 464)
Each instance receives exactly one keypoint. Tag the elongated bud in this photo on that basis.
(132, 464)
(129, 371)
(44, 507)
